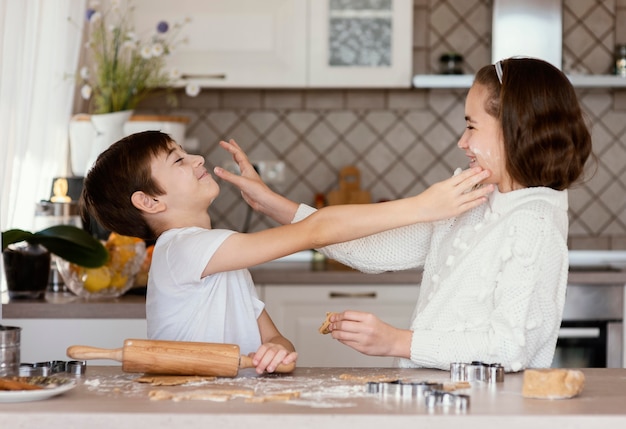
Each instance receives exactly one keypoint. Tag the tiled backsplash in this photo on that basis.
(404, 140)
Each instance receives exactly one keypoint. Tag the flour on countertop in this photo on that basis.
(321, 391)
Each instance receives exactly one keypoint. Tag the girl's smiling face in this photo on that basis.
(482, 139)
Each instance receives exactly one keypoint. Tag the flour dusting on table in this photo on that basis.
(316, 392)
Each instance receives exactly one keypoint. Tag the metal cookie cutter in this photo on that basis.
(76, 367)
(400, 389)
(52, 367)
(429, 393)
(458, 402)
(479, 371)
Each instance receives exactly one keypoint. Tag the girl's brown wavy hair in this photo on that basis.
(546, 139)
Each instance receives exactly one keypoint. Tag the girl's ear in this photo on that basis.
(146, 203)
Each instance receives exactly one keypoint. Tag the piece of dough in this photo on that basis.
(276, 397)
(451, 387)
(380, 378)
(324, 328)
(171, 380)
(17, 383)
(200, 395)
(552, 383)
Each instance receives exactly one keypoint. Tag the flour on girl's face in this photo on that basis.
(490, 161)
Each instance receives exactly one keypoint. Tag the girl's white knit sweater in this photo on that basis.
(494, 279)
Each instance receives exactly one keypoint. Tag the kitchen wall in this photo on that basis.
(404, 140)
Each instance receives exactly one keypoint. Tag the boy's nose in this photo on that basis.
(199, 160)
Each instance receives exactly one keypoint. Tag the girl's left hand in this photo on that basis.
(366, 333)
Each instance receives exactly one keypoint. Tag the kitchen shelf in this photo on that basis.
(465, 81)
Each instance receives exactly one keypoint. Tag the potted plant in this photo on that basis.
(27, 256)
(119, 70)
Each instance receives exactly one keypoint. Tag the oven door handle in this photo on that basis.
(579, 332)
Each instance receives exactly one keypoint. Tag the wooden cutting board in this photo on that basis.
(349, 191)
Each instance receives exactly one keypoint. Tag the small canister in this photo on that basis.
(451, 63)
(620, 60)
(9, 350)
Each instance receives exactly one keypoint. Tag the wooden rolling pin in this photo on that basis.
(173, 357)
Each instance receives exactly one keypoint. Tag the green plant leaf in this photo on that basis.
(68, 242)
(14, 236)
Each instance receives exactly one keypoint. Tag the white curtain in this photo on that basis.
(39, 51)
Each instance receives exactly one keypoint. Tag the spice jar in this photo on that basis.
(451, 63)
(620, 60)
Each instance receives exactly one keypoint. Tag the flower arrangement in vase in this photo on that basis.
(120, 69)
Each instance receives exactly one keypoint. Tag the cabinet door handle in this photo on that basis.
(204, 76)
(352, 295)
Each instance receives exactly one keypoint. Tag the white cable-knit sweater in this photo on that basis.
(493, 286)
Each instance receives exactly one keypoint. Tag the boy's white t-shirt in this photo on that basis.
(182, 306)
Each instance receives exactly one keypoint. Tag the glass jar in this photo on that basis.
(451, 63)
(620, 60)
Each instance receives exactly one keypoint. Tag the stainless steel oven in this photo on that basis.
(592, 331)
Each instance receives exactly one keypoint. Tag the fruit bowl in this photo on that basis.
(112, 280)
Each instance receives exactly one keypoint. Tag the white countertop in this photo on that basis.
(105, 398)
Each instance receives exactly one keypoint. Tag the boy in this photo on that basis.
(199, 289)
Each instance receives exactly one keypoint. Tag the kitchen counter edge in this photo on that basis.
(292, 274)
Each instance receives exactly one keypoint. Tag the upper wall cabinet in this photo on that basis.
(289, 43)
(360, 43)
(235, 43)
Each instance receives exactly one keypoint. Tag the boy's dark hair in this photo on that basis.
(545, 136)
(118, 172)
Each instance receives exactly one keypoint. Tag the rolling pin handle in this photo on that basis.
(87, 352)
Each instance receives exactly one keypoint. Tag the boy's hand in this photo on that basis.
(253, 190)
(270, 355)
(249, 182)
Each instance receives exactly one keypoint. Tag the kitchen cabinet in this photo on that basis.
(299, 310)
(235, 43)
(48, 339)
(288, 43)
(353, 44)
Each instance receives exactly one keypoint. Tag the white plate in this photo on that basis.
(36, 395)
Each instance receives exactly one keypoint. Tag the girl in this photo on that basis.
(494, 278)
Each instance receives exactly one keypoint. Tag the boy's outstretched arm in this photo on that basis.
(442, 200)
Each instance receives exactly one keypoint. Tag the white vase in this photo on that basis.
(81, 135)
(109, 128)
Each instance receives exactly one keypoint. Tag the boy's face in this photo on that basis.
(187, 184)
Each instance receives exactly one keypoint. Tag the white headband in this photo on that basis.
(498, 66)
